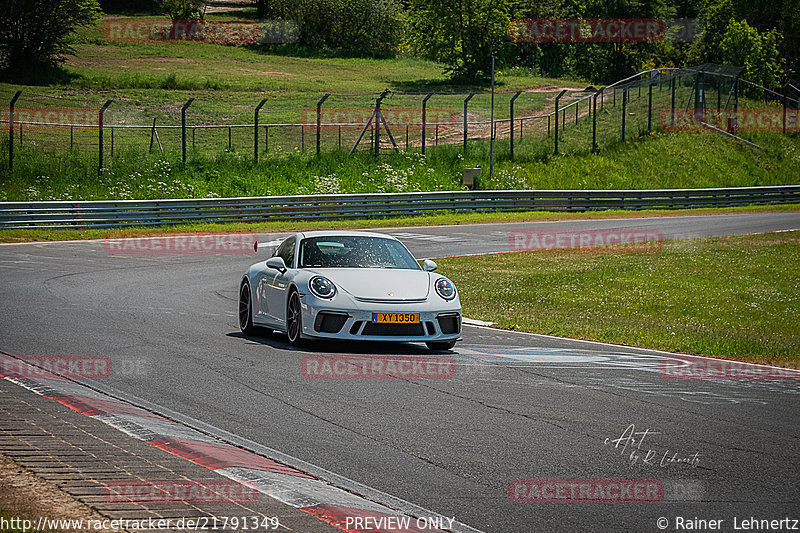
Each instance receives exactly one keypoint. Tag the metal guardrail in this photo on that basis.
(133, 213)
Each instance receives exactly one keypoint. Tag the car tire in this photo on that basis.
(441, 345)
(294, 319)
(246, 309)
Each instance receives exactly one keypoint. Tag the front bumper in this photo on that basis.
(440, 322)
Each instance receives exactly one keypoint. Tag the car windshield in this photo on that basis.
(352, 251)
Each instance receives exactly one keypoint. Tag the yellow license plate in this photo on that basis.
(395, 318)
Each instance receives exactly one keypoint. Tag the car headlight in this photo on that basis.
(322, 287)
(445, 288)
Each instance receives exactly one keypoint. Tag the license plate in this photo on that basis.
(395, 318)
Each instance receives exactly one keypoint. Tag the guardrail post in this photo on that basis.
(11, 130)
(556, 115)
(183, 128)
(466, 123)
(624, 101)
(100, 135)
(319, 117)
(255, 129)
(511, 122)
(649, 106)
(424, 119)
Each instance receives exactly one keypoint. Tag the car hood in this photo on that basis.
(382, 284)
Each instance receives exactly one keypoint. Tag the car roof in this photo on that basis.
(333, 233)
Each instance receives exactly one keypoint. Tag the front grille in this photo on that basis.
(393, 330)
(431, 329)
(450, 323)
(354, 327)
(329, 322)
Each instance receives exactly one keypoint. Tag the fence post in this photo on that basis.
(784, 107)
(11, 131)
(377, 122)
(100, 135)
(112, 141)
(624, 101)
(424, 107)
(734, 124)
(649, 106)
(71, 128)
(466, 102)
(319, 117)
(577, 106)
(672, 88)
(594, 121)
(511, 122)
(183, 128)
(266, 139)
(255, 129)
(556, 115)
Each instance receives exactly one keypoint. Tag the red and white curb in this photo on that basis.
(280, 481)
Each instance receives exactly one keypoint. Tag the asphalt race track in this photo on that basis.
(519, 406)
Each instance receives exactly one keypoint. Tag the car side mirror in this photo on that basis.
(277, 263)
(429, 265)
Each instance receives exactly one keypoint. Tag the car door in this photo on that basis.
(273, 286)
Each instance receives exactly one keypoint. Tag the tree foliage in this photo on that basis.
(462, 34)
(743, 45)
(183, 9)
(35, 33)
(363, 27)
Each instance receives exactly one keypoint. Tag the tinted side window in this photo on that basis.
(286, 251)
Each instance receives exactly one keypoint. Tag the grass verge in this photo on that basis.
(46, 234)
(732, 297)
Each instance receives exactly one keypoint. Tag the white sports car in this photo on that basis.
(349, 285)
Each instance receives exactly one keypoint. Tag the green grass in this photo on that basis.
(664, 160)
(49, 234)
(733, 297)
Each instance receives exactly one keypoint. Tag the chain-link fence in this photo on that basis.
(542, 120)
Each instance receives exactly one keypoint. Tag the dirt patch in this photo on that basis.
(23, 495)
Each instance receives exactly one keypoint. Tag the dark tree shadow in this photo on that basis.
(44, 75)
(443, 85)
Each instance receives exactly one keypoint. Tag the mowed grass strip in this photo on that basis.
(731, 297)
